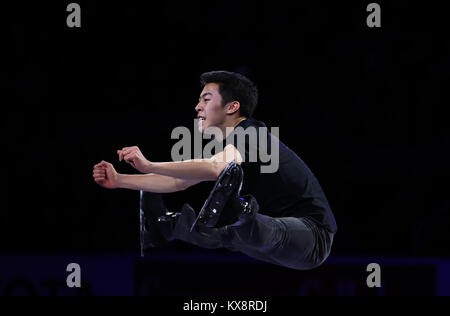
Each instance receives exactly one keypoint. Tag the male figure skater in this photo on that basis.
(282, 217)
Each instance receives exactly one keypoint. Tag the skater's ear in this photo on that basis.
(233, 107)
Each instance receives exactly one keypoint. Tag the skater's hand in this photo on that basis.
(134, 157)
(105, 175)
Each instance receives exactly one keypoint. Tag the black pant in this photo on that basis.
(296, 243)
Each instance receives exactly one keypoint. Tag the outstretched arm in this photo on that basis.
(106, 176)
(154, 183)
(166, 177)
(195, 170)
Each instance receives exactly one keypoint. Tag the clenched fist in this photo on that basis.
(134, 157)
(105, 175)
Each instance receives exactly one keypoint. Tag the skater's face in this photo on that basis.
(210, 109)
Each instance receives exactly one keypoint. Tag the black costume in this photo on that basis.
(291, 222)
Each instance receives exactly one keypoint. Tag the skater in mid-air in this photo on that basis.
(280, 217)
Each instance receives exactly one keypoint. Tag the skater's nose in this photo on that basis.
(199, 107)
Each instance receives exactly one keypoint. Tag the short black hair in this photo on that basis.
(234, 87)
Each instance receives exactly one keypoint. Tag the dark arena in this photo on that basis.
(226, 156)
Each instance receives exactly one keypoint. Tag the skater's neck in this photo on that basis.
(228, 127)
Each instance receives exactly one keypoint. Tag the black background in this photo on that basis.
(364, 108)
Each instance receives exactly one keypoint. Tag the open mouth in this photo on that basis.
(201, 118)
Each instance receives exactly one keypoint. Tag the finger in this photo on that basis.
(105, 164)
(100, 182)
(121, 155)
(130, 158)
(99, 177)
(99, 171)
(130, 155)
(128, 151)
